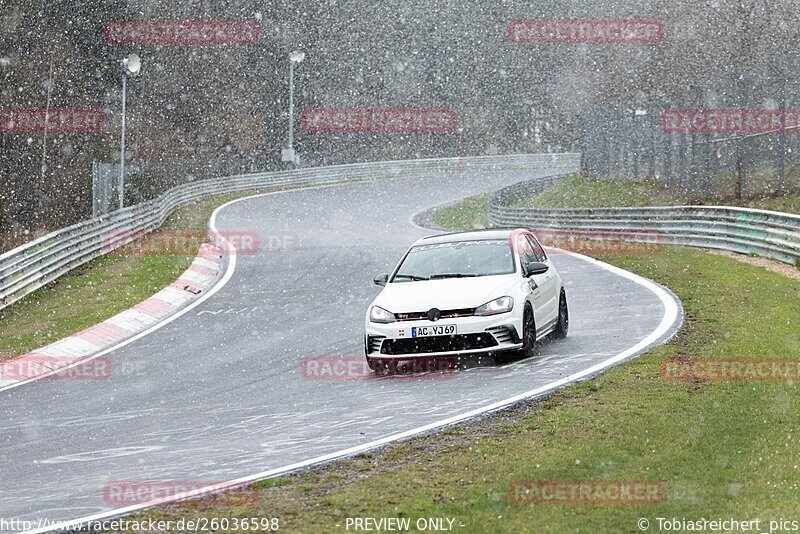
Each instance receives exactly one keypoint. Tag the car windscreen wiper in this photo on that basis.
(411, 277)
(452, 275)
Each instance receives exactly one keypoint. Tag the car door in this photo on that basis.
(532, 284)
(548, 283)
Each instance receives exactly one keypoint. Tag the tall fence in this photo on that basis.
(739, 137)
(145, 180)
(31, 266)
(28, 210)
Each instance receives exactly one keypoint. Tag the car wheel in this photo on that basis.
(528, 332)
(375, 364)
(562, 326)
(528, 339)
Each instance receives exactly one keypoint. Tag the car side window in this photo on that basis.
(537, 249)
(526, 252)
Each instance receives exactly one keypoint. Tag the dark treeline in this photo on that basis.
(228, 104)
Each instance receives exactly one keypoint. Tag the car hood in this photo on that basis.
(445, 294)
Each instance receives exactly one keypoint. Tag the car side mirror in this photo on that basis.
(381, 279)
(536, 267)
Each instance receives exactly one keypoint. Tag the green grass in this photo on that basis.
(469, 214)
(578, 192)
(720, 449)
(784, 203)
(101, 288)
(760, 183)
(271, 483)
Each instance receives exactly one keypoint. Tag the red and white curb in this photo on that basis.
(201, 275)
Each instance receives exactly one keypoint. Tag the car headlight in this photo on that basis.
(501, 305)
(379, 315)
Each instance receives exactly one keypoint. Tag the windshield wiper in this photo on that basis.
(411, 277)
(452, 275)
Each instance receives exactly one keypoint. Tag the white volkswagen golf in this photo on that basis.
(487, 291)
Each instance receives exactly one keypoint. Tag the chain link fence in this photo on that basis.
(148, 179)
(34, 215)
(735, 139)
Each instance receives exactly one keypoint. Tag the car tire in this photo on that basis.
(375, 364)
(562, 325)
(528, 332)
(528, 339)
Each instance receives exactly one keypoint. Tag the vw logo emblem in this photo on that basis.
(434, 314)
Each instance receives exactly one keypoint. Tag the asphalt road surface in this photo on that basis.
(219, 393)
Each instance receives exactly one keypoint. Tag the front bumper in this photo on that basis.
(474, 335)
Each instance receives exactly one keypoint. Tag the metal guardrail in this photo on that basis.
(31, 266)
(764, 233)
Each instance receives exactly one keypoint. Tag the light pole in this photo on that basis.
(287, 154)
(741, 153)
(131, 66)
(782, 155)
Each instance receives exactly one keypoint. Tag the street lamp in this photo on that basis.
(287, 154)
(131, 66)
(782, 138)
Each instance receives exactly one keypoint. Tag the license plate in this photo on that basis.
(436, 330)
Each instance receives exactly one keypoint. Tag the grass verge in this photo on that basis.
(575, 191)
(721, 449)
(578, 192)
(468, 214)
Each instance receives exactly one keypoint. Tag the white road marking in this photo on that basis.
(132, 320)
(197, 278)
(206, 263)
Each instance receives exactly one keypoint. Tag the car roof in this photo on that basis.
(471, 235)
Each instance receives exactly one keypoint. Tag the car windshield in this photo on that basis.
(456, 260)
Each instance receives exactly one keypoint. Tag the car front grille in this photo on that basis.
(445, 314)
(422, 345)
